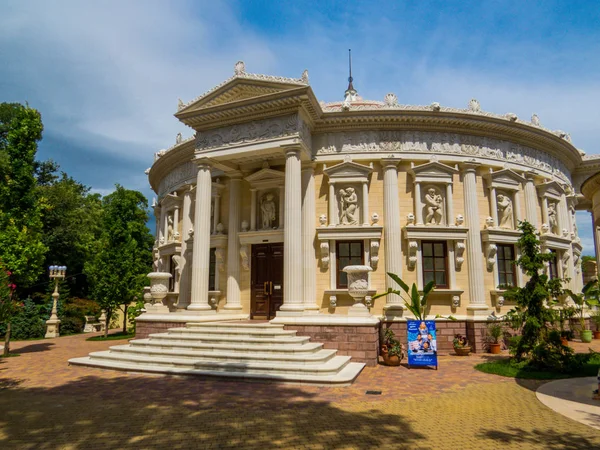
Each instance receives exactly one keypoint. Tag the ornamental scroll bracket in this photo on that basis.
(459, 251)
(374, 253)
(324, 254)
(491, 250)
(244, 256)
(413, 246)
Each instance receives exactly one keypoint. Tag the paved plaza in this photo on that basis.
(45, 404)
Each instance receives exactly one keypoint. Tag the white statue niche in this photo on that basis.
(552, 217)
(433, 208)
(348, 206)
(268, 211)
(505, 211)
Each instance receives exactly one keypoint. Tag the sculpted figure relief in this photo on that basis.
(170, 235)
(268, 212)
(434, 204)
(552, 220)
(505, 211)
(348, 206)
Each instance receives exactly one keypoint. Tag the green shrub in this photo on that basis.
(29, 322)
(132, 313)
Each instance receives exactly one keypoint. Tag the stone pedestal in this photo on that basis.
(159, 288)
(358, 288)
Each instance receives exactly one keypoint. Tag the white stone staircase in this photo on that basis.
(260, 351)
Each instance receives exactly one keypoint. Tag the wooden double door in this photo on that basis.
(267, 280)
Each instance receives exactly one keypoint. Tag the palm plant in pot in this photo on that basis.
(595, 318)
(391, 349)
(495, 331)
(461, 345)
(589, 298)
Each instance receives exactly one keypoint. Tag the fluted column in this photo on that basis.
(449, 205)
(331, 200)
(494, 206)
(517, 208)
(234, 298)
(282, 197)
(217, 212)
(418, 202)
(185, 277)
(563, 217)
(365, 204)
(253, 210)
(392, 232)
(292, 235)
(176, 222)
(201, 255)
(162, 231)
(308, 238)
(531, 201)
(477, 297)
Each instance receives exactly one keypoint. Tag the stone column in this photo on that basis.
(166, 226)
(157, 219)
(201, 255)
(185, 279)
(332, 216)
(516, 208)
(449, 205)
(531, 201)
(563, 216)
(477, 295)
(234, 299)
(418, 202)
(365, 203)
(392, 233)
(494, 206)
(176, 222)
(545, 211)
(162, 233)
(308, 239)
(252, 209)
(292, 235)
(217, 211)
(282, 207)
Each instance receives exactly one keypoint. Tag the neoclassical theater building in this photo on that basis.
(275, 192)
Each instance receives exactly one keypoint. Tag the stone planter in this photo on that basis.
(462, 351)
(159, 288)
(358, 288)
(586, 336)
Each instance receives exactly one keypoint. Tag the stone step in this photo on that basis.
(199, 337)
(233, 325)
(233, 347)
(319, 357)
(344, 377)
(259, 333)
(331, 367)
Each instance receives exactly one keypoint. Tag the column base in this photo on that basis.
(290, 310)
(312, 310)
(203, 309)
(475, 310)
(232, 307)
(52, 328)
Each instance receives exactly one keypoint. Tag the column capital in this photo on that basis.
(470, 166)
(293, 150)
(530, 175)
(308, 165)
(203, 163)
(390, 163)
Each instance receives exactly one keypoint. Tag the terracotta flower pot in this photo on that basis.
(564, 341)
(388, 360)
(597, 334)
(462, 351)
(494, 348)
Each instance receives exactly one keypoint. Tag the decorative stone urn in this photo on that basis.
(159, 288)
(358, 288)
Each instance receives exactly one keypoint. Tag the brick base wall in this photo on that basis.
(143, 328)
(361, 343)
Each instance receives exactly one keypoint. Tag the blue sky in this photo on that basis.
(106, 75)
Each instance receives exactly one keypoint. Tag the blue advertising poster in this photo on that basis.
(422, 343)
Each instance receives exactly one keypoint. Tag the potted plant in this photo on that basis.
(565, 314)
(595, 317)
(589, 298)
(461, 345)
(495, 331)
(391, 349)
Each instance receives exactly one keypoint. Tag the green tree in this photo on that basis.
(21, 247)
(123, 254)
(533, 313)
(8, 306)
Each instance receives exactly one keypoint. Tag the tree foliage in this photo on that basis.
(123, 254)
(21, 246)
(533, 313)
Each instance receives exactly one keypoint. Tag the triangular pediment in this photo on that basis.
(550, 189)
(348, 170)
(235, 90)
(266, 177)
(434, 168)
(504, 178)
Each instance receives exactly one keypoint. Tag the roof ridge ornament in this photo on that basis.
(239, 68)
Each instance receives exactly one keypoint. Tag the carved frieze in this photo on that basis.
(256, 131)
(179, 176)
(440, 143)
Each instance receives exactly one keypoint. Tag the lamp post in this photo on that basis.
(52, 325)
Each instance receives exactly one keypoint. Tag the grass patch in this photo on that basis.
(10, 355)
(112, 337)
(509, 368)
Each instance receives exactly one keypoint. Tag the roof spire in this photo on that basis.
(350, 94)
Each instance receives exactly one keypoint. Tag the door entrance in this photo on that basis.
(267, 280)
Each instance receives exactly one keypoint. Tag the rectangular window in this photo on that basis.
(347, 253)
(435, 263)
(212, 266)
(506, 267)
(553, 266)
(173, 273)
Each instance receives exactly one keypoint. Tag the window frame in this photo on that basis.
(503, 260)
(338, 267)
(553, 263)
(433, 257)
